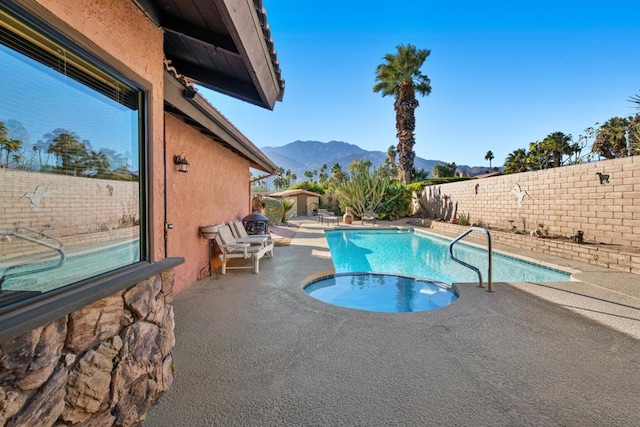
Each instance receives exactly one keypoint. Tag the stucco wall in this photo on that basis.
(564, 200)
(106, 363)
(215, 190)
(118, 32)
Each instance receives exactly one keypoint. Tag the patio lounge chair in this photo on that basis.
(368, 215)
(232, 248)
(327, 216)
(241, 235)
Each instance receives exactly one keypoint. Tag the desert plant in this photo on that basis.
(464, 219)
(286, 205)
(396, 204)
(366, 190)
(273, 210)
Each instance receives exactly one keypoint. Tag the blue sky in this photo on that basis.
(503, 74)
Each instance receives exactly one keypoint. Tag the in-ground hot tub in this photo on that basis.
(381, 292)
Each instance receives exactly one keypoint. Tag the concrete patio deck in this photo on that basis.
(256, 350)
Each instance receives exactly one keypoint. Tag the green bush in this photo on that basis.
(273, 209)
(397, 202)
(309, 186)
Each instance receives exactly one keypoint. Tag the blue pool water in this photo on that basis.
(381, 292)
(405, 252)
(75, 268)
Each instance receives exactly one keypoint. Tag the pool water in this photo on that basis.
(381, 292)
(405, 252)
(75, 268)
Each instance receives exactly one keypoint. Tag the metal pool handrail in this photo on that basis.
(489, 268)
(19, 233)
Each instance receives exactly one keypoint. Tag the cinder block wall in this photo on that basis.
(564, 200)
(67, 207)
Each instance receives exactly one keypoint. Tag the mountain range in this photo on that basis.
(301, 156)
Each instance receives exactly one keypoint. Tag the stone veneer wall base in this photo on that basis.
(102, 365)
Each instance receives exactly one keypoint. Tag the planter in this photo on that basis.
(209, 231)
(347, 218)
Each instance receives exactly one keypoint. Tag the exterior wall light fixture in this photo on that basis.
(182, 163)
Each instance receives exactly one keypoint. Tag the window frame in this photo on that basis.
(29, 313)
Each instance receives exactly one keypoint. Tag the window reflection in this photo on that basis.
(69, 165)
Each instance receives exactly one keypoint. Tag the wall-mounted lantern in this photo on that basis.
(182, 163)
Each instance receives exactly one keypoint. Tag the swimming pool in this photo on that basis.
(404, 251)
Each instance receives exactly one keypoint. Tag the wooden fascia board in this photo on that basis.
(243, 23)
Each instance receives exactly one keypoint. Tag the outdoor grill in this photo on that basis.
(256, 223)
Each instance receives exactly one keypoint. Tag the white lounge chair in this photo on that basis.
(232, 248)
(241, 235)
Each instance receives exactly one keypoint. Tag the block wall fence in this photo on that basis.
(78, 210)
(563, 200)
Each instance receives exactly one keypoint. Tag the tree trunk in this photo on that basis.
(405, 105)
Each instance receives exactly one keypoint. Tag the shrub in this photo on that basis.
(273, 210)
(464, 219)
(309, 186)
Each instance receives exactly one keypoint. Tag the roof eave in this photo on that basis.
(194, 106)
(243, 23)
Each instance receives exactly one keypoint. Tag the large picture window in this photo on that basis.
(70, 165)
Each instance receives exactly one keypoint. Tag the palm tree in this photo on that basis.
(400, 76)
(538, 156)
(4, 139)
(420, 175)
(559, 145)
(489, 156)
(337, 174)
(391, 155)
(323, 176)
(611, 139)
(636, 100)
(67, 147)
(516, 161)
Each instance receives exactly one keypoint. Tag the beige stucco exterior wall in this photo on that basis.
(216, 189)
(119, 33)
(564, 200)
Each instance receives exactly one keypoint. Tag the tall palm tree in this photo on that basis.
(489, 156)
(400, 76)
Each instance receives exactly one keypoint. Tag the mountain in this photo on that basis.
(301, 156)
